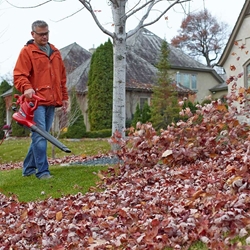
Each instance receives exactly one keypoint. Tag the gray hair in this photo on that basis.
(38, 23)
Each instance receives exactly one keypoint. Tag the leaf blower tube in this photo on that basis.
(50, 138)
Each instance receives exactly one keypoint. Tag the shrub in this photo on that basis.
(104, 133)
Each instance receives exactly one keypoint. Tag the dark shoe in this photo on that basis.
(28, 175)
(46, 176)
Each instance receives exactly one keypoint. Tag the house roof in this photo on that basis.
(7, 93)
(77, 62)
(73, 56)
(219, 87)
(143, 51)
(79, 77)
(222, 86)
(245, 11)
(147, 45)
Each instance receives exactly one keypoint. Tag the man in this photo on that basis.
(40, 70)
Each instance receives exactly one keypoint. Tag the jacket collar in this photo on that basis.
(31, 41)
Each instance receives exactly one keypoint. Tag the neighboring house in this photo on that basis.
(8, 103)
(235, 58)
(143, 51)
(236, 51)
(185, 71)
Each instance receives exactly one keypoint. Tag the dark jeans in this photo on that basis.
(36, 161)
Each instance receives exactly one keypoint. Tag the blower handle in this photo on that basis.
(37, 99)
(25, 114)
(32, 105)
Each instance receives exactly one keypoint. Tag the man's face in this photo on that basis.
(41, 35)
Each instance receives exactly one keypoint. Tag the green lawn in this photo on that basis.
(67, 180)
(14, 150)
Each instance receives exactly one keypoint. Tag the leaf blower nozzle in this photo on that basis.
(50, 138)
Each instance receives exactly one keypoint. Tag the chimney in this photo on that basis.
(92, 50)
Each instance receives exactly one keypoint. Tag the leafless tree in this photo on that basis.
(62, 120)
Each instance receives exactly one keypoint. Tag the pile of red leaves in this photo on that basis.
(190, 183)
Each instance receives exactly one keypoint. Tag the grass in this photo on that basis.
(195, 246)
(14, 150)
(67, 180)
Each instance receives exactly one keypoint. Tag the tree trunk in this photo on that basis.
(119, 59)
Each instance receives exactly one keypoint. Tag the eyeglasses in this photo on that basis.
(42, 34)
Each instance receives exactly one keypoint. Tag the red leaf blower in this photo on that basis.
(24, 117)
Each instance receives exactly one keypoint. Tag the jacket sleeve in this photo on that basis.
(21, 71)
(63, 84)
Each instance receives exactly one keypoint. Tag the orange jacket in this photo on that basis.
(45, 74)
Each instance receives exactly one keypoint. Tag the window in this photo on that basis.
(247, 84)
(142, 101)
(193, 82)
(248, 76)
(187, 80)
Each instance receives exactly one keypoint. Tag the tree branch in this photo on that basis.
(151, 3)
(88, 6)
(29, 7)
(70, 15)
(140, 8)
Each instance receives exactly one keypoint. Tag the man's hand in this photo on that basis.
(28, 93)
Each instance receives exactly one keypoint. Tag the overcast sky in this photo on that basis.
(81, 28)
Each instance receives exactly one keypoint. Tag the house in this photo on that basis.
(235, 57)
(185, 71)
(143, 51)
(8, 103)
